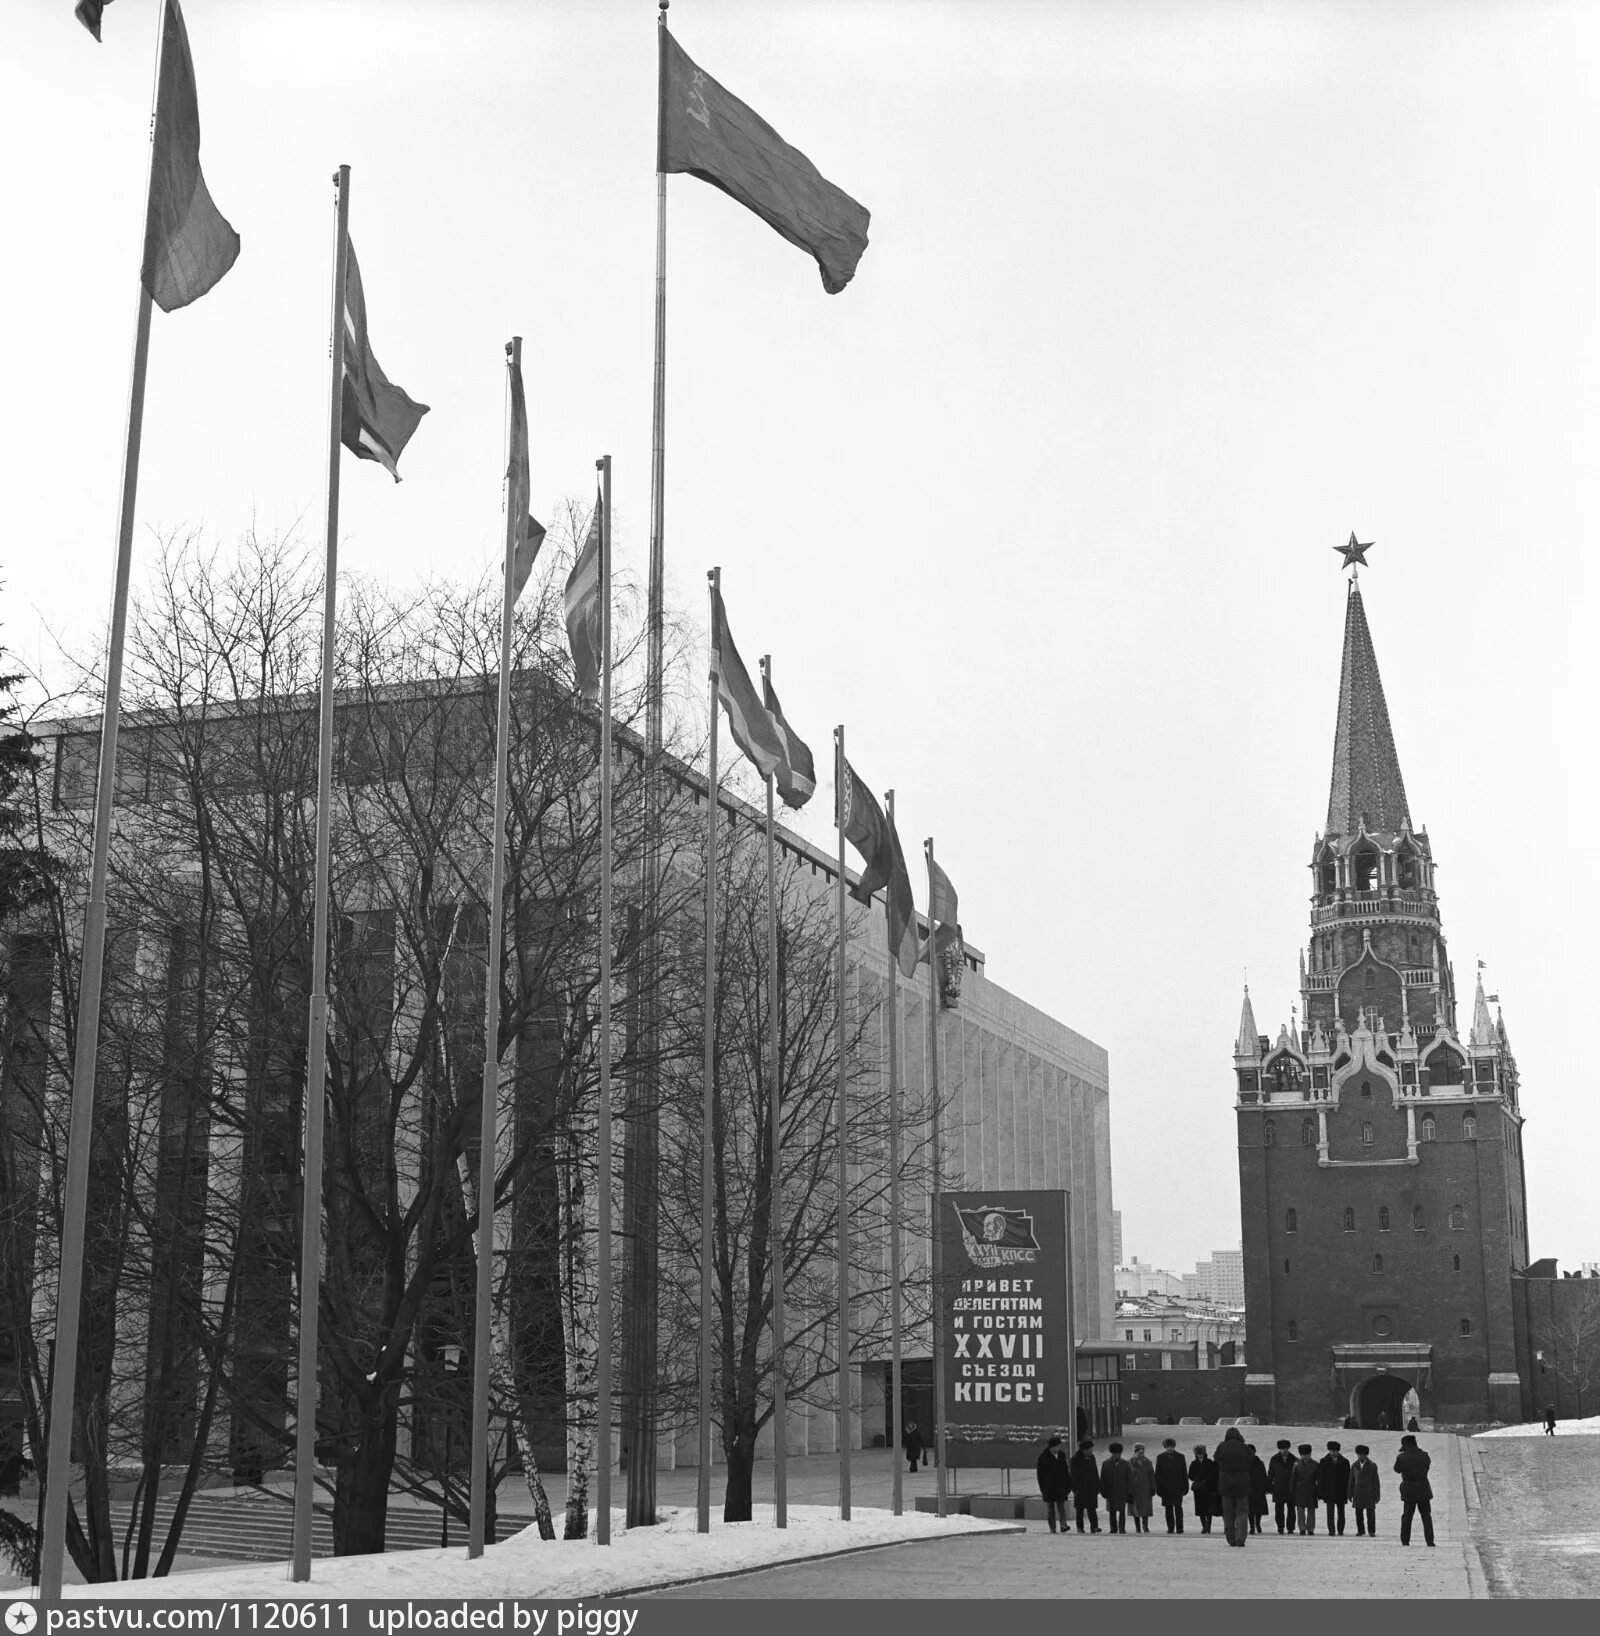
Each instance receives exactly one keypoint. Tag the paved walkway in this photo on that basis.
(1040, 1564)
(1539, 1513)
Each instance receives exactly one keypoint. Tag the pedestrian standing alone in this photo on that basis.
(1172, 1483)
(1086, 1486)
(1280, 1484)
(912, 1443)
(1203, 1485)
(1303, 1491)
(1233, 1486)
(1333, 1487)
(1364, 1491)
(1258, 1489)
(1114, 1486)
(1055, 1483)
(1141, 1489)
(1416, 1492)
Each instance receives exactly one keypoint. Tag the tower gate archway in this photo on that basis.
(1379, 1403)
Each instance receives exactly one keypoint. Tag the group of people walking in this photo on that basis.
(1235, 1485)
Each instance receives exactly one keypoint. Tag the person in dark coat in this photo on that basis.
(1280, 1481)
(1364, 1492)
(1550, 1421)
(1055, 1483)
(1416, 1492)
(1258, 1489)
(1233, 1486)
(1141, 1489)
(1172, 1483)
(1333, 1487)
(1083, 1424)
(1086, 1485)
(911, 1442)
(1303, 1490)
(1412, 1426)
(1115, 1486)
(1203, 1485)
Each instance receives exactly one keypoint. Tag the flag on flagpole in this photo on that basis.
(754, 731)
(944, 939)
(583, 611)
(88, 13)
(710, 133)
(796, 773)
(188, 244)
(377, 418)
(528, 535)
(873, 835)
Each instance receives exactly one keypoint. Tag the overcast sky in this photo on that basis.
(1161, 302)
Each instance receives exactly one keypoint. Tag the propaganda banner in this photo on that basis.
(1004, 1324)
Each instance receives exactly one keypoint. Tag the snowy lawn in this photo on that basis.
(528, 1567)
(1535, 1428)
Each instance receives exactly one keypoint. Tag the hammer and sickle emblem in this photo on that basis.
(697, 108)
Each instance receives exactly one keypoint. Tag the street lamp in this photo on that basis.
(450, 1354)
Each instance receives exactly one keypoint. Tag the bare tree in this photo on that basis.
(741, 1136)
(1572, 1336)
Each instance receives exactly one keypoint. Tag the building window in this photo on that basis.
(1308, 1133)
(1382, 1325)
(1418, 1220)
(1458, 1217)
(1458, 1263)
(1269, 1134)
(1294, 1330)
(1466, 1326)
(1128, 1335)
(1349, 1219)
(1469, 1127)
(1291, 1221)
(1428, 1129)
(1147, 1334)
(1383, 1218)
(1177, 1334)
(1377, 1263)
(1366, 1134)
(1366, 1087)
(1130, 1360)
(1286, 1263)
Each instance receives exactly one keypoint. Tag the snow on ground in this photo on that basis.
(528, 1567)
(1535, 1428)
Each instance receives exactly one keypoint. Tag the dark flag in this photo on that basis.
(188, 245)
(754, 731)
(377, 418)
(88, 13)
(945, 940)
(872, 834)
(583, 612)
(528, 535)
(796, 773)
(711, 134)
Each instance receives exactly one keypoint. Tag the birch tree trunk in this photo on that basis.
(579, 1322)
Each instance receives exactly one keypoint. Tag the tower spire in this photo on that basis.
(1367, 789)
(1248, 1044)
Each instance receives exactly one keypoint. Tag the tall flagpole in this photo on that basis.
(305, 1431)
(75, 1203)
(641, 1203)
(896, 1402)
(603, 1156)
(939, 1450)
(780, 1393)
(843, 1388)
(489, 1098)
(709, 1029)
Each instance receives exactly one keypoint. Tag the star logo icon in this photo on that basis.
(1354, 553)
(21, 1617)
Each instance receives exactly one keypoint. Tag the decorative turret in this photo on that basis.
(1247, 1048)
